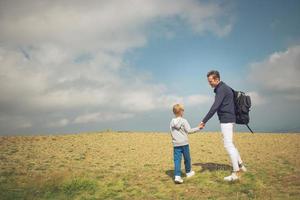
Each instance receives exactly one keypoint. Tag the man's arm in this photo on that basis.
(218, 100)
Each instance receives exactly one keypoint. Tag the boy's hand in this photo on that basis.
(201, 125)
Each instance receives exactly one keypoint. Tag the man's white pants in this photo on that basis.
(227, 131)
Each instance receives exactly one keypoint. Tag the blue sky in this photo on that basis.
(260, 28)
(122, 65)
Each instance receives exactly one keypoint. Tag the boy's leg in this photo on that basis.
(187, 158)
(177, 161)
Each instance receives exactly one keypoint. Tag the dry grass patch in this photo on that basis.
(111, 165)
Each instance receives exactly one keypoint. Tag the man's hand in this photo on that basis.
(201, 125)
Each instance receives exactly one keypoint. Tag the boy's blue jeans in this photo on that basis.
(178, 151)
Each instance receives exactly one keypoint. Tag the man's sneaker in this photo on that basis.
(243, 168)
(178, 180)
(232, 177)
(190, 174)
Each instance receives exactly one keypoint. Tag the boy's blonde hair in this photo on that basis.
(177, 108)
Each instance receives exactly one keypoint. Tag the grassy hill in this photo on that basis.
(111, 165)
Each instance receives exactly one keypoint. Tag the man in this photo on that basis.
(224, 106)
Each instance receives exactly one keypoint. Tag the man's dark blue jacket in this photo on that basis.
(223, 105)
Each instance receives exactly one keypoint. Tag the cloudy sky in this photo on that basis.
(73, 66)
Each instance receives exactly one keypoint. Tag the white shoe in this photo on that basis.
(178, 179)
(243, 168)
(190, 174)
(232, 177)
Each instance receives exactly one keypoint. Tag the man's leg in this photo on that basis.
(187, 158)
(227, 131)
(239, 157)
(238, 154)
(177, 161)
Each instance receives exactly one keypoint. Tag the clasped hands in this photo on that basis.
(201, 125)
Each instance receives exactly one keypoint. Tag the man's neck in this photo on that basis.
(218, 84)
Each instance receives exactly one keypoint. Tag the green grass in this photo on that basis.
(139, 166)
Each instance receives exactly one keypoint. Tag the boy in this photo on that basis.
(179, 130)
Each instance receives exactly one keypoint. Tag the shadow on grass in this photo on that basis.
(170, 173)
(213, 167)
(205, 167)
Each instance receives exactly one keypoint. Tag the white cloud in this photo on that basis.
(167, 101)
(256, 98)
(194, 100)
(277, 77)
(58, 57)
(59, 123)
(12, 122)
(94, 25)
(279, 73)
(276, 91)
(101, 117)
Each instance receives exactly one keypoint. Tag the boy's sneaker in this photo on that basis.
(178, 179)
(190, 174)
(233, 177)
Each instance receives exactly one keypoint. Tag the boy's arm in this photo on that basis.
(188, 128)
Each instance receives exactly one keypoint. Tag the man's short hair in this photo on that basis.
(177, 108)
(214, 73)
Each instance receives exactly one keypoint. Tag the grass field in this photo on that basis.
(111, 165)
